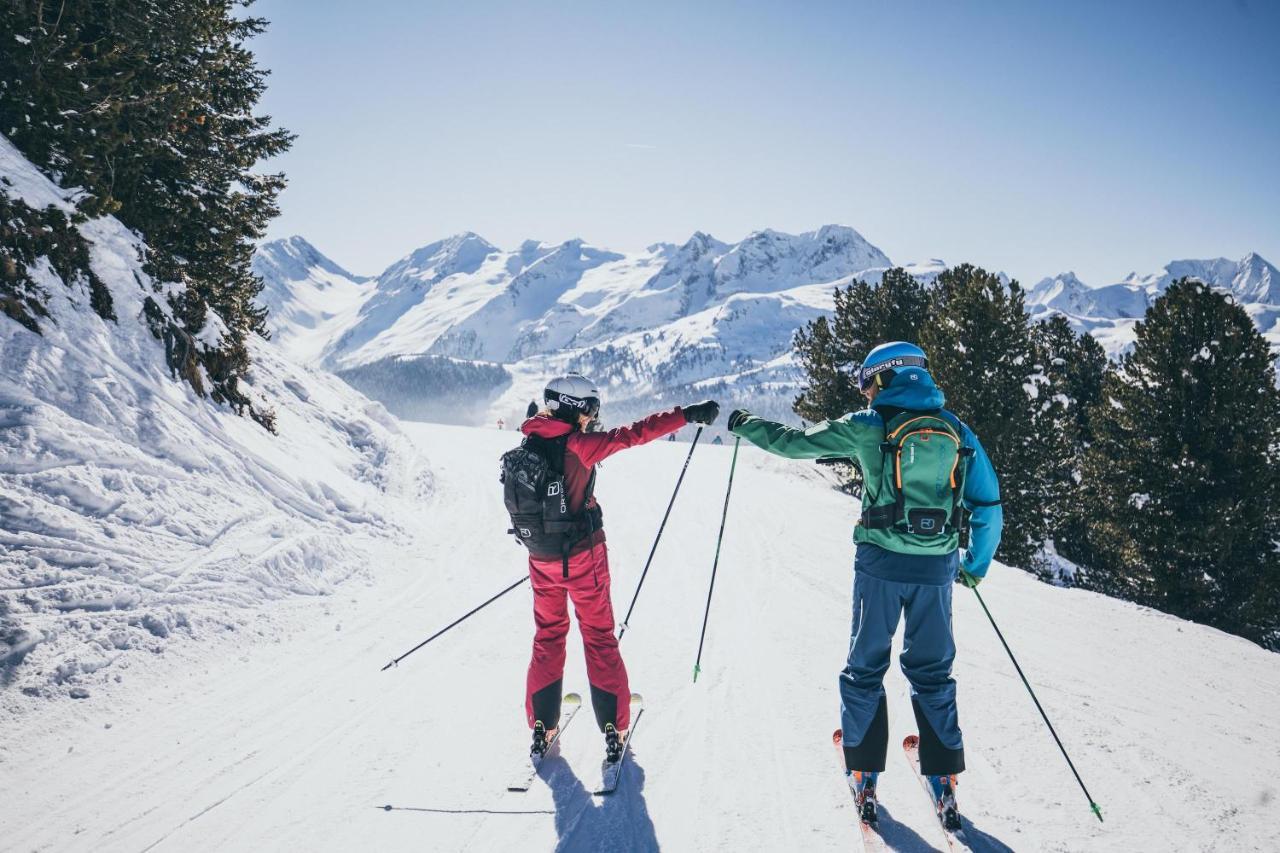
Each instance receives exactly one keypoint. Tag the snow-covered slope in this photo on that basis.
(138, 520)
(307, 293)
(299, 745)
(423, 293)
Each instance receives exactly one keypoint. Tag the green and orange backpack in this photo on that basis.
(922, 479)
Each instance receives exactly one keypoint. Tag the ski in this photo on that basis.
(911, 749)
(611, 773)
(569, 706)
(871, 839)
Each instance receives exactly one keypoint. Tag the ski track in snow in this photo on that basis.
(297, 744)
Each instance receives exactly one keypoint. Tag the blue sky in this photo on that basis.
(1027, 137)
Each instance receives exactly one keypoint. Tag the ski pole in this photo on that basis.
(622, 629)
(697, 665)
(1092, 805)
(463, 618)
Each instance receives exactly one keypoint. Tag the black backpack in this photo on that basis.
(533, 489)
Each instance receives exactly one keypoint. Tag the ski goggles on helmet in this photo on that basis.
(884, 371)
(589, 406)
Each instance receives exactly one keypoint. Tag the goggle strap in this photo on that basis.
(867, 374)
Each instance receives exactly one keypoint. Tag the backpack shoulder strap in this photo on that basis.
(905, 418)
(960, 428)
(951, 418)
(966, 453)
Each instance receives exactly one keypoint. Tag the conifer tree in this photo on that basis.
(1184, 469)
(1068, 383)
(1074, 365)
(829, 389)
(831, 350)
(147, 106)
(981, 354)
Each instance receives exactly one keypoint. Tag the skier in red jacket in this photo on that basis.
(582, 574)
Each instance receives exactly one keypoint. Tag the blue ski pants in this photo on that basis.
(927, 653)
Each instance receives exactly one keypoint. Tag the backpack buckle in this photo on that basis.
(880, 517)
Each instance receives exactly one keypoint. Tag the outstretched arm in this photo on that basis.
(592, 447)
(982, 499)
(828, 438)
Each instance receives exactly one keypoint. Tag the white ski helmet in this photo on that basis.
(571, 395)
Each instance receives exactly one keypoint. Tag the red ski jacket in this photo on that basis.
(584, 449)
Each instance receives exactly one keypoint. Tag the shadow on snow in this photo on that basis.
(898, 836)
(587, 823)
(979, 840)
(903, 839)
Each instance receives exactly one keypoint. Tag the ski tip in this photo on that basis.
(911, 742)
(837, 737)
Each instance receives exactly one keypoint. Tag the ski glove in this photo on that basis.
(968, 580)
(736, 417)
(705, 412)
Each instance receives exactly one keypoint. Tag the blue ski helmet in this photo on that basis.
(883, 362)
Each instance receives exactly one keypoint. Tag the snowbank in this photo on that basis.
(134, 514)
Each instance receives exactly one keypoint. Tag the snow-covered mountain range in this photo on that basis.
(1110, 312)
(650, 325)
(655, 327)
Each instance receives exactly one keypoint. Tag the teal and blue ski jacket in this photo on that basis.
(858, 436)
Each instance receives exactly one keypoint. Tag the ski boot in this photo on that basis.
(541, 739)
(944, 800)
(863, 785)
(612, 744)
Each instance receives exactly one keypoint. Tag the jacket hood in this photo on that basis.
(545, 427)
(912, 388)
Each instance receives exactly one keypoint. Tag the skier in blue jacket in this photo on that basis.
(921, 466)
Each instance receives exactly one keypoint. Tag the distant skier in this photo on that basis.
(920, 467)
(571, 560)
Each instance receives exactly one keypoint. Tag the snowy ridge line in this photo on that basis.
(647, 325)
(1109, 312)
(643, 324)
